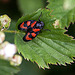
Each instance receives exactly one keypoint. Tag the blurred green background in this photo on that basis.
(15, 9)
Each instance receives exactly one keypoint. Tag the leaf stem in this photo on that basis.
(11, 31)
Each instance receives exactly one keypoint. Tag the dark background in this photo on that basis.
(13, 10)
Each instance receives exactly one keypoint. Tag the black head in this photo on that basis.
(39, 24)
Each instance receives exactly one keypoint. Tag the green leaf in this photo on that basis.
(6, 68)
(49, 47)
(63, 10)
(29, 6)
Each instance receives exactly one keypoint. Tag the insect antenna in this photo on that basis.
(40, 16)
(47, 29)
(39, 20)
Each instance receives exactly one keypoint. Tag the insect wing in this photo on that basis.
(29, 36)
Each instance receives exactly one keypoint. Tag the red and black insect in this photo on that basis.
(32, 28)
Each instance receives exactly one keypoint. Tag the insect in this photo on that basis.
(32, 28)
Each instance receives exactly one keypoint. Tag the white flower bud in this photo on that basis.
(1, 52)
(16, 60)
(4, 22)
(9, 50)
(2, 37)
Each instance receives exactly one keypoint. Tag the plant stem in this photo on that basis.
(11, 31)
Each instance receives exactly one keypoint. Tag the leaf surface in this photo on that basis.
(49, 47)
(63, 10)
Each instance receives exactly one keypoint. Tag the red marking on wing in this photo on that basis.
(27, 37)
(33, 34)
(28, 23)
(35, 30)
(32, 25)
(22, 26)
